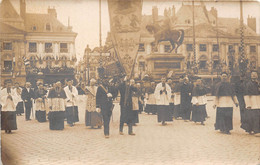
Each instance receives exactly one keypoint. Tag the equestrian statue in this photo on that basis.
(166, 34)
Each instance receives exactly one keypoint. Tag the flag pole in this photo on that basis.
(131, 74)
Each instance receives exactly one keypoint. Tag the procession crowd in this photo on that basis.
(184, 100)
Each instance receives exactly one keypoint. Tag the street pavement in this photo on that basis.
(178, 142)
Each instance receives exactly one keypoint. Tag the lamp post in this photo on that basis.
(231, 60)
(194, 66)
(100, 68)
(242, 58)
(86, 64)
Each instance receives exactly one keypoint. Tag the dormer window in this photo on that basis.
(34, 28)
(48, 27)
(187, 21)
(141, 47)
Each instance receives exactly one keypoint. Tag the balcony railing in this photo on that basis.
(203, 70)
(32, 50)
(64, 50)
(48, 50)
(6, 71)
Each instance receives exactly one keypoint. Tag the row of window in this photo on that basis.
(48, 47)
(203, 64)
(47, 27)
(48, 63)
(215, 48)
(167, 48)
(64, 47)
(33, 47)
(202, 48)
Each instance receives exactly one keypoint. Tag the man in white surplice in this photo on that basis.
(93, 116)
(8, 100)
(163, 96)
(71, 103)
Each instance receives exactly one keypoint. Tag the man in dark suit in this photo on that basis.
(27, 96)
(186, 97)
(106, 92)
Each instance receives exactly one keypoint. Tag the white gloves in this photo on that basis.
(109, 95)
(98, 110)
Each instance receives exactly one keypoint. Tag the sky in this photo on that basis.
(84, 14)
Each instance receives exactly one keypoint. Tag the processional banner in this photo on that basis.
(125, 26)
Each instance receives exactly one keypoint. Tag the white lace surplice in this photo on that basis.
(252, 101)
(57, 104)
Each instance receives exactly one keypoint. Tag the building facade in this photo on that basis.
(217, 43)
(35, 46)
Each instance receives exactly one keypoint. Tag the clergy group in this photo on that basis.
(185, 100)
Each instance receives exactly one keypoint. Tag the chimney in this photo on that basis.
(165, 12)
(155, 14)
(69, 27)
(22, 9)
(173, 11)
(251, 22)
(214, 12)
(52, 12)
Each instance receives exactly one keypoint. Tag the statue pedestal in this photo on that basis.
(159, 64)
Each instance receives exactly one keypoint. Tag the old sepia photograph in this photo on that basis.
(130, 82)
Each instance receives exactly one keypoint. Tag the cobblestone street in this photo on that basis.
(178, 142)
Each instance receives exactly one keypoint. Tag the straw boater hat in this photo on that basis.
(58, 82)
(93, 80)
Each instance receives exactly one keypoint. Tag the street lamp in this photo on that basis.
(86, 64)
(231, 60)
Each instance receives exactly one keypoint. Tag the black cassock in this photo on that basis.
(177, 109)
(40, 114)
(186, 89)
(199, 113)
(239, 87)
(151, 104)
(57, 111)
(224, 114)
(251, 120)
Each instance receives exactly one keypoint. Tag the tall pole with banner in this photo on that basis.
(100, 68)
(194, 66)
(242, 58)
(125, 26)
